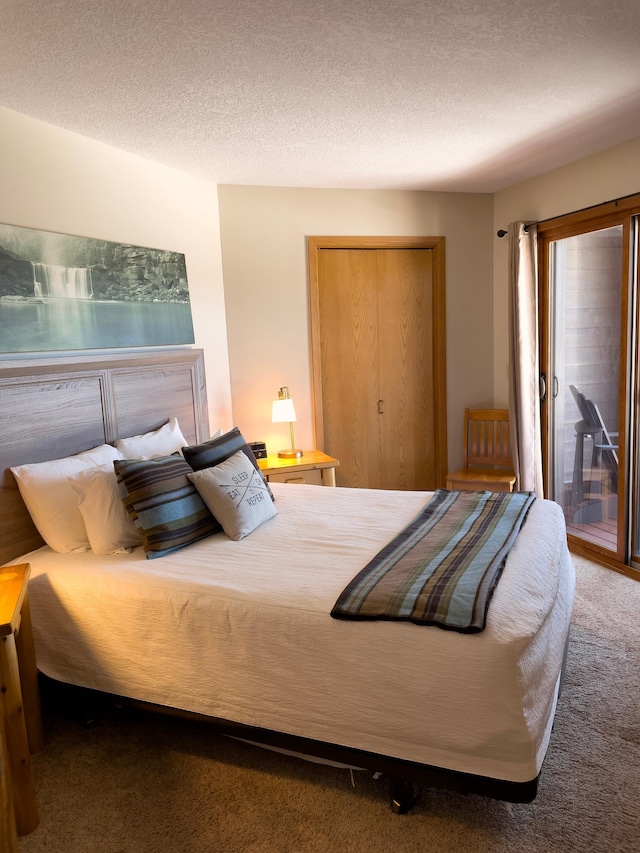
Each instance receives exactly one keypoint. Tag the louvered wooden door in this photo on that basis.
(375, 331)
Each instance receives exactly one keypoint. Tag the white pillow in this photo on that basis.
(109, 528)
(52, 503)
(163, 441)
(236, 494)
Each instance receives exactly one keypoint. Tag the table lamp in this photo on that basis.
(283, 411)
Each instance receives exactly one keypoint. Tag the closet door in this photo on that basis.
(378, 378)
(349, 359)
(405, 368)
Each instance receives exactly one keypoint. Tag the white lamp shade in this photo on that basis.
(283, 411)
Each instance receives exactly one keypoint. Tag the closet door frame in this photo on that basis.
(437, 246)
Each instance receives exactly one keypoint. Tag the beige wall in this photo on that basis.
(58, 181)
(264, 259)
(605, 176)
(259, 322)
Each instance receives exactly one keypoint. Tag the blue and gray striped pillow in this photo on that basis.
(163, 503)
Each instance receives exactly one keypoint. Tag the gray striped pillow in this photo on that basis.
(163, 503)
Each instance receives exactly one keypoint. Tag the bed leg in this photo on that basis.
(403, 797)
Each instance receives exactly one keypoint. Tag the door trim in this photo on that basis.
(437, 245)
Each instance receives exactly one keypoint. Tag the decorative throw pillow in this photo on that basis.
(163, 503)
(109, 527)
(217, 449)
(52, 503)
(163, 441)
(236, 494)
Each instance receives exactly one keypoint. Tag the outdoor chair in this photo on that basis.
(604, 449)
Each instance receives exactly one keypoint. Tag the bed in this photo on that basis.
(240, 632)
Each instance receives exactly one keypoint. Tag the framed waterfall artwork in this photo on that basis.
(60, 292)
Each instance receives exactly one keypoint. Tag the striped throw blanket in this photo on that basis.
(442, 568)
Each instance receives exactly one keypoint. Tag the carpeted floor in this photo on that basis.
(141, 783)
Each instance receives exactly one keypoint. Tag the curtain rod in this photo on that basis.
(614, 201)
(503, 233)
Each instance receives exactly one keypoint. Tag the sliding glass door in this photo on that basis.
(589, 364)
(634, 272)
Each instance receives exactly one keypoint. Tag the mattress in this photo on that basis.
(242, 631)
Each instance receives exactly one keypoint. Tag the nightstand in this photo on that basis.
(313, 467)
(21, 732)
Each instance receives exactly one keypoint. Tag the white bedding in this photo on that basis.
(241, 630)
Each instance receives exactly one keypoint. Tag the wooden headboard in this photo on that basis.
(55, 407)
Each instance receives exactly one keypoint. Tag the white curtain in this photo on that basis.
(524, 363)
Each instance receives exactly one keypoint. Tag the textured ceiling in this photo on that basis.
(464, 95)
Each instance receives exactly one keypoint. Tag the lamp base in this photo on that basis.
(290, 454)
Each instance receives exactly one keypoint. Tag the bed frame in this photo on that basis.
(55, 407)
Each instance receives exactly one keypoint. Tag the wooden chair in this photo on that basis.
(487, 463)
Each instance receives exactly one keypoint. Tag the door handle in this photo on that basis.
(381, 407)
(543, 387)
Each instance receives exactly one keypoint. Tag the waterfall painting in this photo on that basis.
(59, 292)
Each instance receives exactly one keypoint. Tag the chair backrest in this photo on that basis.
(486, 438)
(585, 407)
(594, 421)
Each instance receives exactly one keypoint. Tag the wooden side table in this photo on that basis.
(20, 716)
(8, 834)
(313, 467)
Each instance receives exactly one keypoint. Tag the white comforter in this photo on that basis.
(241, 630)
